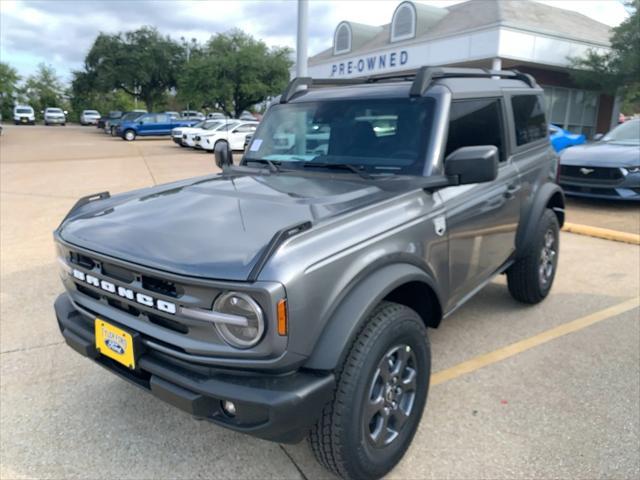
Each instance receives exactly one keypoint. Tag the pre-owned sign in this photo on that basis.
(378, 62)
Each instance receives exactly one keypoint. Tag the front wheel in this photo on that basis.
(129, 135)
(380, 394)
(531, 277)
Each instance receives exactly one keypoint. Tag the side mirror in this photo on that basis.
(598, 136)
(41, 112)
(223, 154)
(66, 113)
(473, 164)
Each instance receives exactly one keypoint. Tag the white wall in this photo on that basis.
(502, 42)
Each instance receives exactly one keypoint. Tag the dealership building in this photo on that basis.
(508, 34)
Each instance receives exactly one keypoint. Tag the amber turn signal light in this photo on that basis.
(282, 317)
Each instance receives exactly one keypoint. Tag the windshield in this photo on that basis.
(627, 133)
(91, 112)
(381, 135)
(115, 114)
(54, 110)
(24, 110)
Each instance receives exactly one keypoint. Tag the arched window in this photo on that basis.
(342, 39)
(403, 25)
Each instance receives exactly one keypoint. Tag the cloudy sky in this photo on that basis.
(60, 32)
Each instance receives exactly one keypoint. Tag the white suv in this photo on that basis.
(24, 114)
(89, 117)
(55, 115)
(234, 135)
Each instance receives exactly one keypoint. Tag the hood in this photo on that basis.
(602, 154)
(215, 227)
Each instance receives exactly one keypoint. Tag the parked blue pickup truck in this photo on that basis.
(151, 124)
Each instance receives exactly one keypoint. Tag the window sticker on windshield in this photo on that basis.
(255, 145)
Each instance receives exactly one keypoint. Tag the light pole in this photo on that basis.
(301, 45)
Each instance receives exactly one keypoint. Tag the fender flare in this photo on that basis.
(549, 192)
(354, 309)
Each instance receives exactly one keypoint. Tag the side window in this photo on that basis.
(162, 118)
(475, 122)
(147, 119)
(245, 129)
(528, 115)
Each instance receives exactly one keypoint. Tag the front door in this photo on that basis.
(481, 218)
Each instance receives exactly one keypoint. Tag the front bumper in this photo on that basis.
(626, 189)
(54, 120)
(177, 140)
(279, 408)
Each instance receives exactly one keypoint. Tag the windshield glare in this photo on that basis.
(628, 132)
(24, 110)
(381, 135)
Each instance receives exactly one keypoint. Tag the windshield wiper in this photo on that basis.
(343, 166)
(272, 166)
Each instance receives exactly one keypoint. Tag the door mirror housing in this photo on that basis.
(223, 154)
(472, 164)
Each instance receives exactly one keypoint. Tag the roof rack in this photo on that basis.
(422, 79)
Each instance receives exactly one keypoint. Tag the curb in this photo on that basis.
(603, 233)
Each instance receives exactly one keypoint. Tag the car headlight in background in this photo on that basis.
(632, 169)
(240, 305)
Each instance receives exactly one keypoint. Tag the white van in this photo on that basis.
(24, 114)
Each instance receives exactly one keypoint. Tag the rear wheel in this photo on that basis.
(380, 395)
(531, 277)
(129, 135)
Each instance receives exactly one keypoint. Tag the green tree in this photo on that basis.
(617, 71)
(9, 79)
(233, 72)
(44, 89)
(84, 96)
(141, 63)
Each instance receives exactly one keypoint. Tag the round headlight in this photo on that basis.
(243, 305)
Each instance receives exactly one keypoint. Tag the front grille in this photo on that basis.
(87, 291)
(118, 273)
(163, 287)
(611, 192)
(82, 260)
(590, 174)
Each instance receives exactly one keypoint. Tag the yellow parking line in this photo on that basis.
(604, 233)
(528, 343)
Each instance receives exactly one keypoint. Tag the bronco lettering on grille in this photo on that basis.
(129, 294)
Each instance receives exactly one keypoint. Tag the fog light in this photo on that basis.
(229, 408)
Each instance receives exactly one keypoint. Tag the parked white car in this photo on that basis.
(89, 117)
(193, 136)
(234, 135)
(54, 115)
(178, 133)
(24, 114)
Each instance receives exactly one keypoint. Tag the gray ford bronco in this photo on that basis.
(289, 296)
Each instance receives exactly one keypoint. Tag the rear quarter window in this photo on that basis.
(529, 120)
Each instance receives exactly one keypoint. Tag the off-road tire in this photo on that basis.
(340, 439)
(523, 277)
